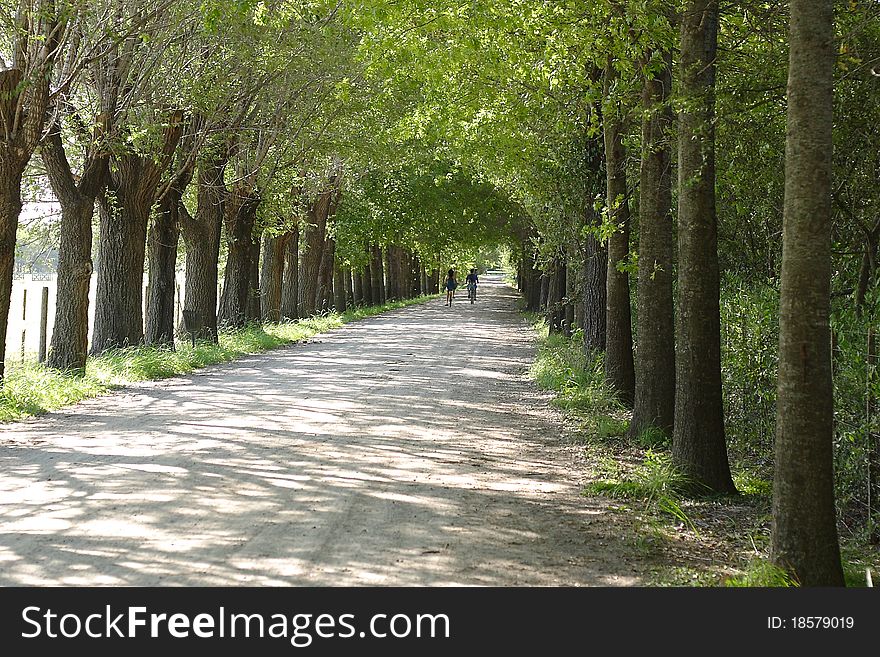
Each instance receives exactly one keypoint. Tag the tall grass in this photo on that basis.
(30, 388)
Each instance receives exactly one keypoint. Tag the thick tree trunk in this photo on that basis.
(70, 334)
(290, 282)
(804, 531)
(435, 281)
(10, 209)
(324, 296)
(241, 213)
(162, 247)
(313, 237)
(119, 319)
(202, 237)
(271, 275)
(595, 294)
(699, 448)
(125, 210)
(619, 367)
(655, 359)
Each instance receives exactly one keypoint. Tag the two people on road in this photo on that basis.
(452, 283)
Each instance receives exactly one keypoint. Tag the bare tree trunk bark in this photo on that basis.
(655, 359)
(699, 447)
(595, 294)
(240, 215)
(10, 209)
(162, 247)
(313, 237)
(202, 237)
(378, 276)
(804, 531)
(70, 335)
(619, 366)
(271, 275)
(290, 282)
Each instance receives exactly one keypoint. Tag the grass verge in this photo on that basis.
(30, 388)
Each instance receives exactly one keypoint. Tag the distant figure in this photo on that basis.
(472, 280)
(450, 286)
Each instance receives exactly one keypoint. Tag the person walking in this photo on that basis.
(450, 285)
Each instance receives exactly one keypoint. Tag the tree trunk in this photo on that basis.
(271, 276)
(255, 304)
(595, 294)
(240, 215)
(435, 281)
(358, 287)
(10, 209)
(202, 237)
(655, 359)
(339, 300)
(555, 292)
(70, 334)
(390, 274)
(119, 319)
(313, 236)
(699, 448)
(619, 368)
(125, 210)
(290, 282)
(368, 284)
(378, 276)
(324, 296)
(572, 281)
(804, 530)
(347, 288)
(545, 289)
(162, 246)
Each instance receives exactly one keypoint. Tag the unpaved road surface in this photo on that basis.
(406, 449)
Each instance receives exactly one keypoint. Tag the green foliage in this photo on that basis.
(30, 389)
(652, 438)
(762, 573)
(656, 482)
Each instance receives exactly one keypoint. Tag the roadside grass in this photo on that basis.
(30, 388)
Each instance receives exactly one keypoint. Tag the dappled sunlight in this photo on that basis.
(404, 449)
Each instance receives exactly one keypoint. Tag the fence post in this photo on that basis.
(23, 318)
(44, 324)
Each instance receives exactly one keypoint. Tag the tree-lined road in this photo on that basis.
(406, 449)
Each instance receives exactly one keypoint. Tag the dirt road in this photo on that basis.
(406, 449)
